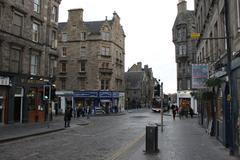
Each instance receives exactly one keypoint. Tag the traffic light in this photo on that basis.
(53, 93)
(46, 92)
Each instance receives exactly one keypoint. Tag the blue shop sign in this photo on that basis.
(105, 94)
(85, 94)
(115, 94)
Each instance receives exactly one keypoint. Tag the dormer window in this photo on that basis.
(83, 36)
(106, 36)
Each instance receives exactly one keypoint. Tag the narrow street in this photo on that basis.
(119, 137)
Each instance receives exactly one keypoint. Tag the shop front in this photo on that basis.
(4, 94)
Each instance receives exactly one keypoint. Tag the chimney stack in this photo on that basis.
(75, 15)
(182, 6)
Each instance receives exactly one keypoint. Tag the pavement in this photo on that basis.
(16, 131)
(10, 132)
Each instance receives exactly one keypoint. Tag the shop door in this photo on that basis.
(17, 109)
(1, 110)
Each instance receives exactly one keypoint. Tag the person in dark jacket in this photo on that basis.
(67, 117)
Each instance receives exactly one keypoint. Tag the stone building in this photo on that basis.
(28, 54)
(91, 61)
(139, 86)
(185, 51)
(218, 23)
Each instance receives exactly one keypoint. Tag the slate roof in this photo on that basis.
(92, 26)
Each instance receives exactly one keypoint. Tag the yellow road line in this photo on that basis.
(125, 148)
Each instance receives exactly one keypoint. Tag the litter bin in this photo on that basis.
(152, 139)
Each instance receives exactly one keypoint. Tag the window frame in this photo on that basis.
(17, 26)
(12, 61)
(54, 14)
(82, 66)
(37, 6)
(63, 67)
(35, 67)
(64, 51)
(35, 33)
(54, 39)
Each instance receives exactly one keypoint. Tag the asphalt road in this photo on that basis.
(119, 138)
(105, 137)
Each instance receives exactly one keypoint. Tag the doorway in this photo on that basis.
(1, 109)
(17, 109)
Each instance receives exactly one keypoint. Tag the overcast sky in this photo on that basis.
(148, 28)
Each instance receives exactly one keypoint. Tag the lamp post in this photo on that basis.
(230, 79)
(162, 97)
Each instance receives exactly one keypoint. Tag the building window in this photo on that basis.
(105, 51)
(82, 66)
(188, 84)
(82, 84)
(238, 15)
(53, 66)
(104, 84)
(83, 36)
(64, 37)
(36, 6)
(63, 81)
(64, 51)
(1, 10)
(105, 36)
(17, 23)
(54, 39)
(35, 32)
(182, 50)
(54, 17)
(64, 67)
(34, 70)
(83, 51)
(15, 60)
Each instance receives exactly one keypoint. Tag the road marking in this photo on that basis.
(30, 155)
(125, 148)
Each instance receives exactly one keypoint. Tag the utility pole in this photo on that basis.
(229, 74)
(162, 97)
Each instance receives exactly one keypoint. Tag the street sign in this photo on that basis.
(195, 35)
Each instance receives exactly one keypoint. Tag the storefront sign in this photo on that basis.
(105, 94)
(4, 81)
(200, 74)
(115, 94)
(85, 94)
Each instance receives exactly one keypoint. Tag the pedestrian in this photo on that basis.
(88, 109)
(191, 112)
(67, 117)
(173, 112)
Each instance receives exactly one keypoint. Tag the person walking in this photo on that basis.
(191, 112)
(173, 112)
(67, 117)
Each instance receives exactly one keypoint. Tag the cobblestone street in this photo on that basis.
(119, 137)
